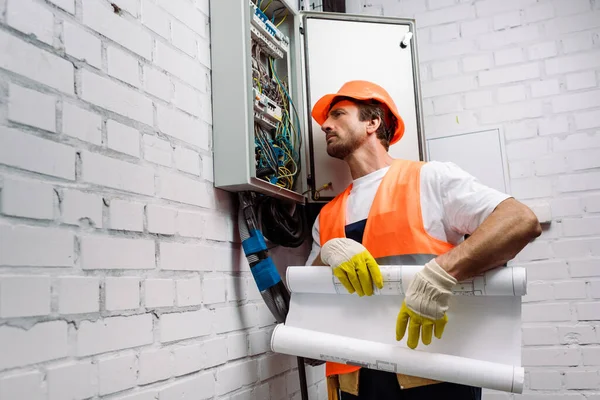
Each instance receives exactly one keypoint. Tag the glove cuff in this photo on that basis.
(437, 275)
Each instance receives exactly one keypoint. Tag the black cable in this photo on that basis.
(279, 225)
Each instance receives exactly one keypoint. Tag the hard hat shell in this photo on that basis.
(359, 90)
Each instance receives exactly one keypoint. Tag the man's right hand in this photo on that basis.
(353, 265)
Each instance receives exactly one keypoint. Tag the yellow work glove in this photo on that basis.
(353, 265)
(425, 305)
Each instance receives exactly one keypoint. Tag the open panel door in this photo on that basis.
(341, 47)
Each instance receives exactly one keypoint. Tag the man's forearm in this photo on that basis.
(503, 234)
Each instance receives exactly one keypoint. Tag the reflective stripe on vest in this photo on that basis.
(394, 233)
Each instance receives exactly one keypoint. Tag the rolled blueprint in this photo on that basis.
(395, 358)
(501, 281)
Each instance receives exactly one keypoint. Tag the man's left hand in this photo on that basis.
(425, 305)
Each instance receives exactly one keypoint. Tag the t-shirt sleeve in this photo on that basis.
(466, 201)
(316, 244)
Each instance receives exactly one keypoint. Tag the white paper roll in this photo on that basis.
(397, 359)
(502, 281)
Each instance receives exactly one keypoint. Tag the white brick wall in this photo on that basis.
(120, 272)
(531, 67)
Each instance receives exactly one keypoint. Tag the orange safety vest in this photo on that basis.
(394, 233)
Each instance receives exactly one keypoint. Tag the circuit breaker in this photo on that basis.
(271, 63)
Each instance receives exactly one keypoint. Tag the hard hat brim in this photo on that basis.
(321, 108)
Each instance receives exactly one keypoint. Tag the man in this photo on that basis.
(405, 212)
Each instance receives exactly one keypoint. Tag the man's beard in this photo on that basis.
(343, 148)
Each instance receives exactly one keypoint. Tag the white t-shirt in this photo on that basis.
(453, 202)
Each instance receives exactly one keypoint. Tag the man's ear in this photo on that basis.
(373, 125)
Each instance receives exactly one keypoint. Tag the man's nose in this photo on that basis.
(326, 127)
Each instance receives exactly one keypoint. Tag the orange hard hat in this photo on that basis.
(359, 90)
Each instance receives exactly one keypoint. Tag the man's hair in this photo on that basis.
(371, 109)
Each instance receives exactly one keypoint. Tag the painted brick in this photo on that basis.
(578, 101)
(116, 373)
(582, 380)
(538, 291)
(537, 250)
(586, 159)
(115, 333)
(478, 99)
(545, 88)
(546, 312)
(447, 104)
(236, 288)
(191, 358)
(100, 17)
(579, 182)
(182, 126)
(187, 160)
(539, 335)
(574, 248)
(184, 190)
(189, 292)
(544, 380)
(117, 174)
(53, 247)
(185, 257)
(31, 18)
(24, 296)
(508, 37)
(569, 290)
(123, 138)
(43, 342)
(161, 219)
(43, 156)
(577, 23)
(78, 206)
(581, 226)
(213, 290)
(259, 342)
(587, 120)
(444, 33)
(492, 7)
(551, 357)
(116, 97)
(507, 20)
(78, 295)
(184, 38)
(154, 18)
(592, 203)
(81, 44)
(228, 319)
(154, 365)
(272, 365)
(450, 122)
(521, 130)
(525, 149)
(446, 15)
(542, 50)
(567, 206)
(538, 13)
(81, 124)
(180, 65)
(131, 6)
(591, 356)
(579, 334)
(499, 76)
(123, 66)
(237, 346)
(67, 5)
(102, 252)
(510, 56)
(509, 94)
(207, 168)
(159, 293)
(28, 385)
(157, 150)
(200, 386)
(577, 42)
(553, 125)
(234, 376)
(72, 380)
(185, 325)
(584, 267)
(187, 99)
(572, 63)
(157, 83)
(127, 216)
(448, 86)
(520, 169)
(581, 80)
(475, 27)
(578, 141)
(22, 100)
(148, 394)
(589, 311)
(29, 199)
(442, 51)
(122, 293)
(550, 165)
(24, 59)
(190, 224)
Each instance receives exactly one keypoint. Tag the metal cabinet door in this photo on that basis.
(339, 48)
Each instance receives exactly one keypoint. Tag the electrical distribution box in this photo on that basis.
(271, 63)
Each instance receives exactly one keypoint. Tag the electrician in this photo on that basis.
(397, 212)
